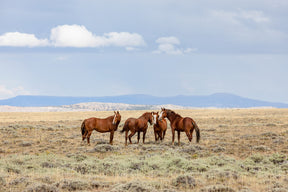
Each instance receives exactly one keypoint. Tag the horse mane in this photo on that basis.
(173, 113)
(144, 114)
(110, 117)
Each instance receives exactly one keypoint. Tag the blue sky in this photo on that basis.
(161, 48)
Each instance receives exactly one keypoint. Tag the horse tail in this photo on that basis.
(83, 128)
(197, 131)
(125, 127)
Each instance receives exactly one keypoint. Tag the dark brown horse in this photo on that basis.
(137, 125)
(160, 127)
(180, 124)
(109, 124)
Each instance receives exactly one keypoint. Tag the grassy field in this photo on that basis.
(240, 150)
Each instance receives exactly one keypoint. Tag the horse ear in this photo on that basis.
(118, 112)
(114, 112)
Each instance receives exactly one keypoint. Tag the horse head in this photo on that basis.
(162, 114)
(154, 117)
(117, 118)
(148, 116)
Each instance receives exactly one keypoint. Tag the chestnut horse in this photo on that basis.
(137, 125)
(109, 124)
(160, 127)
(180, 124)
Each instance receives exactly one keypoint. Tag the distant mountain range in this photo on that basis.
(218, 100)
(91, 106)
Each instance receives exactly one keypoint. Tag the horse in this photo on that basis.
(160, 127)
(180, 124)
(137, 125)
(109, 124)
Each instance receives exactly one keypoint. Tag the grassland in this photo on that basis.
(240, 150)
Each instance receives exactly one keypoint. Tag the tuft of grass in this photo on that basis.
(278, 158)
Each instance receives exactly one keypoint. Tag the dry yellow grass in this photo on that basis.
(240, 149)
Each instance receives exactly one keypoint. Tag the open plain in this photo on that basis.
(240, 150)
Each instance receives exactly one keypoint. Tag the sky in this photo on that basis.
(155, 47)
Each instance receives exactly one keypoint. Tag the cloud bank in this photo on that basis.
(73, 36)
(79, 36)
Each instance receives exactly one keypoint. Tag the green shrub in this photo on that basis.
(277, 158)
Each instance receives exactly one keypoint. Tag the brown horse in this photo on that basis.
(180, 124)
(137, 125)
(109, 124)
(160, 127)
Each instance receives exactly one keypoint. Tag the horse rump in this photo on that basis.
(125, 127)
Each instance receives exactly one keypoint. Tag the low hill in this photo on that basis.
(219, 100)
(91, 106)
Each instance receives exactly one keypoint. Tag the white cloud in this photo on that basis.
(190, 50)
(123, 39)
(239, 16)
(168, 49)
(16, 39)
(168, 40)
(254, 15)
(74, 36)
(7, 93)
(244, 26)
(79, 36)
(168, 45)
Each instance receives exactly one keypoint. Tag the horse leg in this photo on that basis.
(173, 135)
(126, 137)
(138, 137)
(160, 135)
(155, 134)
(164, 132)
(84, 136)
(131, 134)
(189, 135)
(111, 137)
(178, 138)
(88, 137)
(144, 133)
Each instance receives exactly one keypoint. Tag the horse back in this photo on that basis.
(135, 124)
(100, 125)
(90, 123)
(130, 122)
(141, 123)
